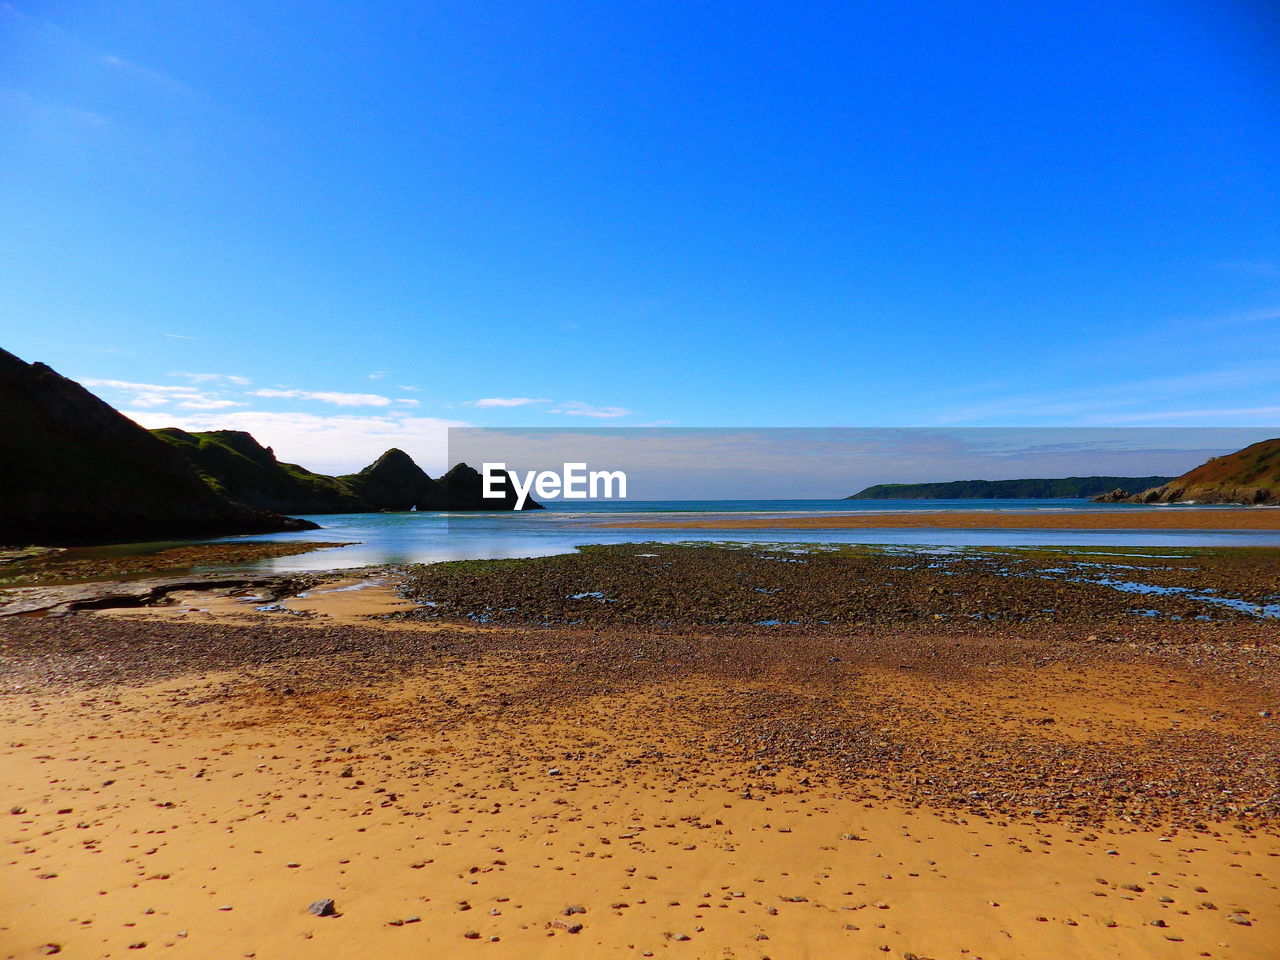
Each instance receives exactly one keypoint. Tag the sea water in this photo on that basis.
(422, 537)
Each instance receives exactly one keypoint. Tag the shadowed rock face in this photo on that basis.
(73, 470)
(395, 482)
(464, 487)
(1250, 476)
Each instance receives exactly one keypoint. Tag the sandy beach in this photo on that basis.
(188, 778)
(591, 481)
(1151, 518)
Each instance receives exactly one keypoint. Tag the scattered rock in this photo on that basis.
(322, 908)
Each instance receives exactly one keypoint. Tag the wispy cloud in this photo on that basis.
(131, 385)
(576, 408)
(145, 74)
(48, 118)
(1115, 402)
(179, 336)
(509, 401)
(212, 378)
(151, 395)
(209, 403)
(327, 396)
(1233, 415)
(1253, 268)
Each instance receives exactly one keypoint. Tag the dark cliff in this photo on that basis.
(395, 482)
(73, 470)
(464, 486)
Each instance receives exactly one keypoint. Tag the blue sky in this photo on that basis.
(343, 226)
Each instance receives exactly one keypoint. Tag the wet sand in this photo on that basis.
(1153, 518)
(76, 564)
(189, 778)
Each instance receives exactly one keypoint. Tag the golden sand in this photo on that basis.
(200, 816)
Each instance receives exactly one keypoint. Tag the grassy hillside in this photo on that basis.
(1251, 475)
(236, 465)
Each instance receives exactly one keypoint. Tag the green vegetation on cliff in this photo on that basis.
(239, 467)
(235, 465)
(1251, 476)
(1034, 489)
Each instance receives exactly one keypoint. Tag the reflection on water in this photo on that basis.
(396, 538)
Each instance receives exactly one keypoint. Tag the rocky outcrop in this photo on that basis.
(1248, 476)
(58, 599)
(74, 470)
(464, 487)
(1118, 495)
(395, 482)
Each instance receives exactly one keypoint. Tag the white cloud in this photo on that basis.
(1255, 268)
(130, 385)
(578, 409)
(509, 401)
(337, 443)
(1100, 401)
(178, 336)
(328, 396)
(149, 76)
(411, 389)
(210, 403)
(152, 399)
(1232, 415)
(407, 401)
(146, 396)
(212, 378)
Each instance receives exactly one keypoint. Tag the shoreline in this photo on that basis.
(1155, 518)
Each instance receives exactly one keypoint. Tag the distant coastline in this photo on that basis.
(1100, 519)
(1081, 488)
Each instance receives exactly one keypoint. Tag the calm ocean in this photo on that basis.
(393, 538)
